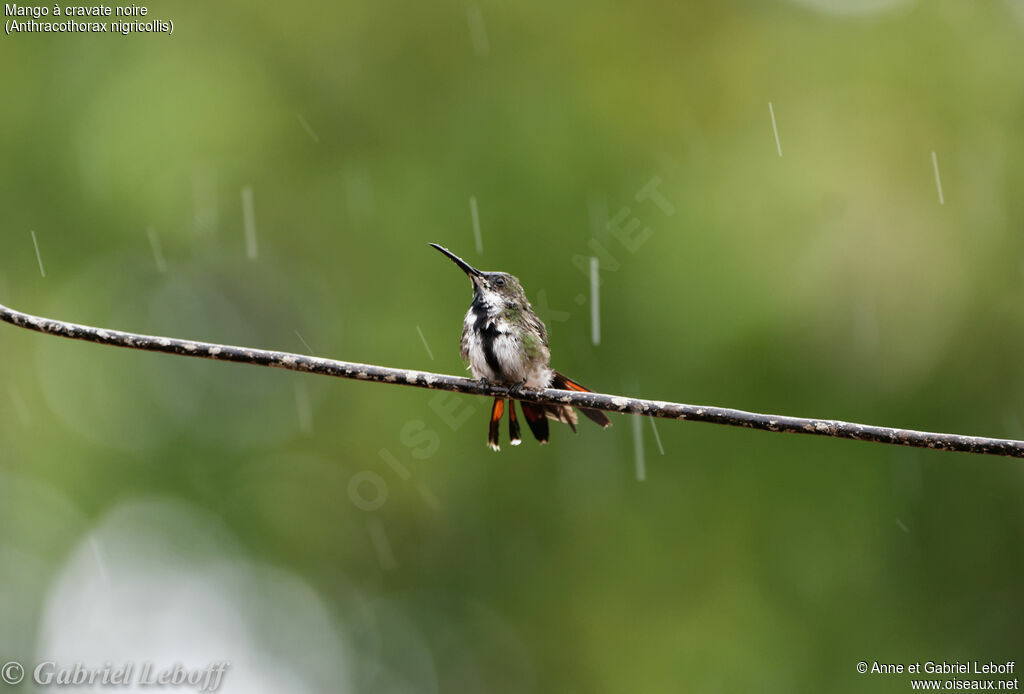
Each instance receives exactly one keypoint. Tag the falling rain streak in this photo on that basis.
(638, 449)
(477, 30)
(595, 302)
(778, 145)
(154, 244)
(303, 408)
(39, 256)
(249, 220)
(657, 438)
(422, 337)
(303, 341)
(395, 464)
(204, 197)
(100, 564)
(475, 214)
(381, 545)
(938, 181)
(597, 213)
(429, 498)
(308, 128)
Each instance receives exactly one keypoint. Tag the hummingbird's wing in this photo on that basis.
(464, 342)
(538, 327)
(563, 383)
(535, 326)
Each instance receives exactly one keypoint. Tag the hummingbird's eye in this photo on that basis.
(499, 281)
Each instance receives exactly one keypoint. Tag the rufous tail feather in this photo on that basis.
(513, 424)
(536, 419)
(563, 383)
(497, 410)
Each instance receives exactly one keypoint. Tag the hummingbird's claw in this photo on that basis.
(516, 388)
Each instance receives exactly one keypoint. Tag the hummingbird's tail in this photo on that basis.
(537, 415)
(497, 410)
(536, 419)
(513, 424)
(597, 416)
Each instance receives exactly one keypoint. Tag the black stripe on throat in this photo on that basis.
(488, 333)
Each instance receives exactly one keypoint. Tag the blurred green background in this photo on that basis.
(341, 536)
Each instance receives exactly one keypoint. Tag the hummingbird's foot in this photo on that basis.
(516, 388)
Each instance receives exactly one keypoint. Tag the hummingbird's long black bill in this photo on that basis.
(466, 267)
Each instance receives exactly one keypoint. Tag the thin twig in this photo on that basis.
(596, 401)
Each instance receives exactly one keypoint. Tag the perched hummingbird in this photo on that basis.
(506, 343)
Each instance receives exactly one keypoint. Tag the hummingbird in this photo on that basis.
(506, 343)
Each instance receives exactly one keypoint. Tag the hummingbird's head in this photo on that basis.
(496, 290)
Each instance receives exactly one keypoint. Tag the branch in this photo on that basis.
(596, 401)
